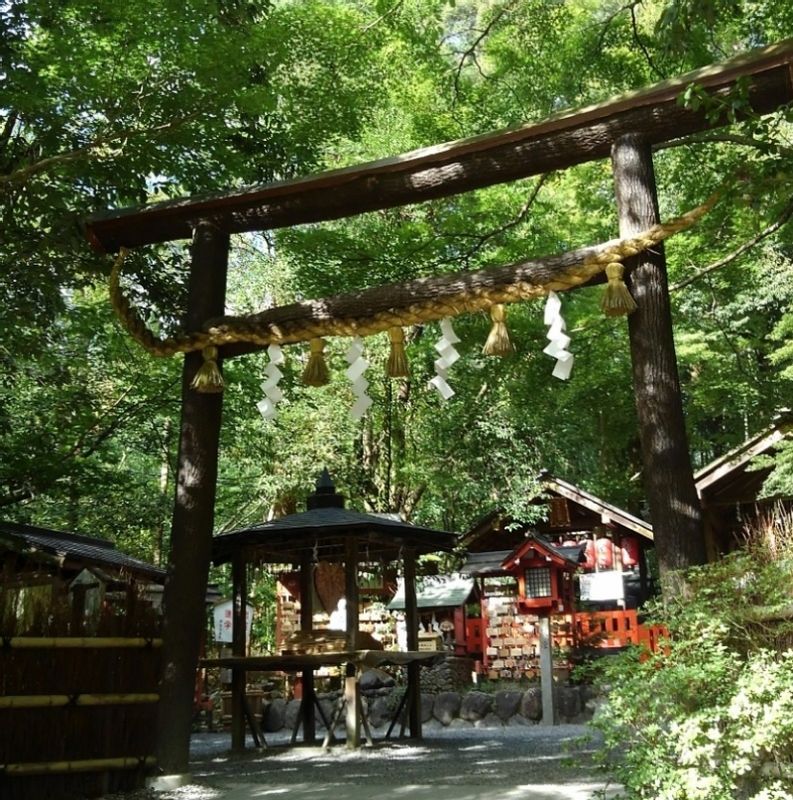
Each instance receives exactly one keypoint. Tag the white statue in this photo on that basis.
(401, 633)
(338, 618)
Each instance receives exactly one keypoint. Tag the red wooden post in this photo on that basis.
(460, 643)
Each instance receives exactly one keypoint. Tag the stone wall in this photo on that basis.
(453, 674)
(574, 704)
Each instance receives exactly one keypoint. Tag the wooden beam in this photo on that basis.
(306, 625)
(412, 626)
(737, 459)
(184, 596)
(80, 642)
(668, 477)
(546, 671)
(566, 139)
(239, 580)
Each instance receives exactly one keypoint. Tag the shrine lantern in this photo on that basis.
(604, 549)
(544, 576)
(630, 551)
(589, 554)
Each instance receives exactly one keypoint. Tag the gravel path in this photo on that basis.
(527, 762)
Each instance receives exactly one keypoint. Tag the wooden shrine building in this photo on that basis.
(730, 487)
(606, 537)
(51, 569)
(583, 567)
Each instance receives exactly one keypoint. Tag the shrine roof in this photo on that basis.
(323, 531)
(72, 549)
(446, 592)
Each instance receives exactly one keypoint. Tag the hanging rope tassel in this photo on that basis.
(498, 343)
(397, 366)
(616, 300)
(208, 379)
(316, 371)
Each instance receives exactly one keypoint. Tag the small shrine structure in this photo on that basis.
(581, 572)
(327, 532)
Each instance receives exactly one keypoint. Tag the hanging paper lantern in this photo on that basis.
(589, 554)
(630, 551)
(605, 553)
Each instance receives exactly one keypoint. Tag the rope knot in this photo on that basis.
(316, 371)
(498, 343)
(616, 300)
(397, 366)
(208, 379)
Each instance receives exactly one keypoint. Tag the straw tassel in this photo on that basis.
(208, 379)
(316, 371)
(616, 300)
(498, 343)
(397, 366)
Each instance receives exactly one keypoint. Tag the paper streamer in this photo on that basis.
(272, 392)
(448, 356)
(558, 340)
(355, 372)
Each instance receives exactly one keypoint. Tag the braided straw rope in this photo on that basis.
(261, 329)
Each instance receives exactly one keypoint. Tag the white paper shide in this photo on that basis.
(558, 340)
(272, 392)
(355, 374)
(448, 356)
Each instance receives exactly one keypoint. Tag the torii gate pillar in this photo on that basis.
(194, 510)
(668, 477)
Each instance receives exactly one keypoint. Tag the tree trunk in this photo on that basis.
(668, 477)
(193, 516)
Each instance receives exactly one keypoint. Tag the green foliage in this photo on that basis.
(710, 716)
(101, 108)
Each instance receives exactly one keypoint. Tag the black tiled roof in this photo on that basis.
(574, 552)
(78, 548)
(287, 535)
(485, 563)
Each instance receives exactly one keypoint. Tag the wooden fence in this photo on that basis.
(77, 715)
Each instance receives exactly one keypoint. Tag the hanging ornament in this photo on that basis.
(448, 356)
(558, 339)
(358, 365)
(498, 343)
(208, 379)
(616, 300)
(316, 371)
(272, 393)
(397, 364)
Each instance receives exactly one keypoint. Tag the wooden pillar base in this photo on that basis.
(546, 671)
(352, 697)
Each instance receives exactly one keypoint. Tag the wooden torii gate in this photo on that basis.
(625, 129)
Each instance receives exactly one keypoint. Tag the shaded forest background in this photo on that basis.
(100, 107)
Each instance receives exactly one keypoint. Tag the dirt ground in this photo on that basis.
(465, 763)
